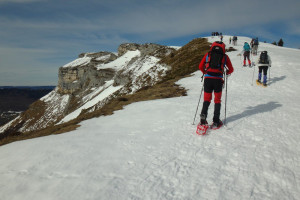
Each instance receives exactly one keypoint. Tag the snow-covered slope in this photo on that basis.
(150, 150)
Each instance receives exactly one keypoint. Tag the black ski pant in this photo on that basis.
(216, 86)
(264, 69)
(246, 55)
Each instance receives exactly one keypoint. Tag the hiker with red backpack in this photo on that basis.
(212, 66)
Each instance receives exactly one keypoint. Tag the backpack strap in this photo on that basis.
(207, 57)
(207, 61)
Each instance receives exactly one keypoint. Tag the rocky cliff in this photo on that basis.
(92, 80)
(82, 72)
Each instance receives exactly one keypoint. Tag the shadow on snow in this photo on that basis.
(253, 110)
(275, 79)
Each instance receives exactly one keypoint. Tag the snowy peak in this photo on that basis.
(94, 58)
(145, 49)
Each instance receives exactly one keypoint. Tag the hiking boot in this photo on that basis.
(203, 122)
(265, 85)
(217, 125)
(258, 81)
(203, 119)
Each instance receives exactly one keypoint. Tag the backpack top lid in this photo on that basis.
(263, 58)
(218, 44)
(264, 52)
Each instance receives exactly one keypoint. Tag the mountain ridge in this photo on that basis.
(138, 73)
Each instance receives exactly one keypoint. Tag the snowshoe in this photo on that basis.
(201, 129)
(202, 126)
(258, 82)
(216, 125)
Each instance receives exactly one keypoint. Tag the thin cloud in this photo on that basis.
(52, 33)
(21, 66)
(163, 21)
(19, 1)
(294, 27)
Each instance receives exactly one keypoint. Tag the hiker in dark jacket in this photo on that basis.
(234, 40)
(255, 44)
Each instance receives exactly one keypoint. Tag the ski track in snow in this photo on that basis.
(150, 150)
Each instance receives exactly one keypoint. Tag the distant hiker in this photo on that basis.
(234, 39)
(230, 40)
(255, 44)
(246, 49)
(263, 63)
(213, 65)
(251, 43)
(221, 38)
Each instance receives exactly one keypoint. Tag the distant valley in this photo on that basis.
(15, 99)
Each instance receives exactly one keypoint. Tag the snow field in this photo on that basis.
(92, 99)
(149, 150)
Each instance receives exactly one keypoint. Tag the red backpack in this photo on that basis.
(215, 56)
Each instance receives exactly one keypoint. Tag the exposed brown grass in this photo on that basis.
(52, 130)
(186, 60)
(183, 62)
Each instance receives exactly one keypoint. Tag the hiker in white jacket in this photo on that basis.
(263, 63)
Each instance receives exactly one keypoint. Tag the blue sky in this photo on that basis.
(39, 36)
